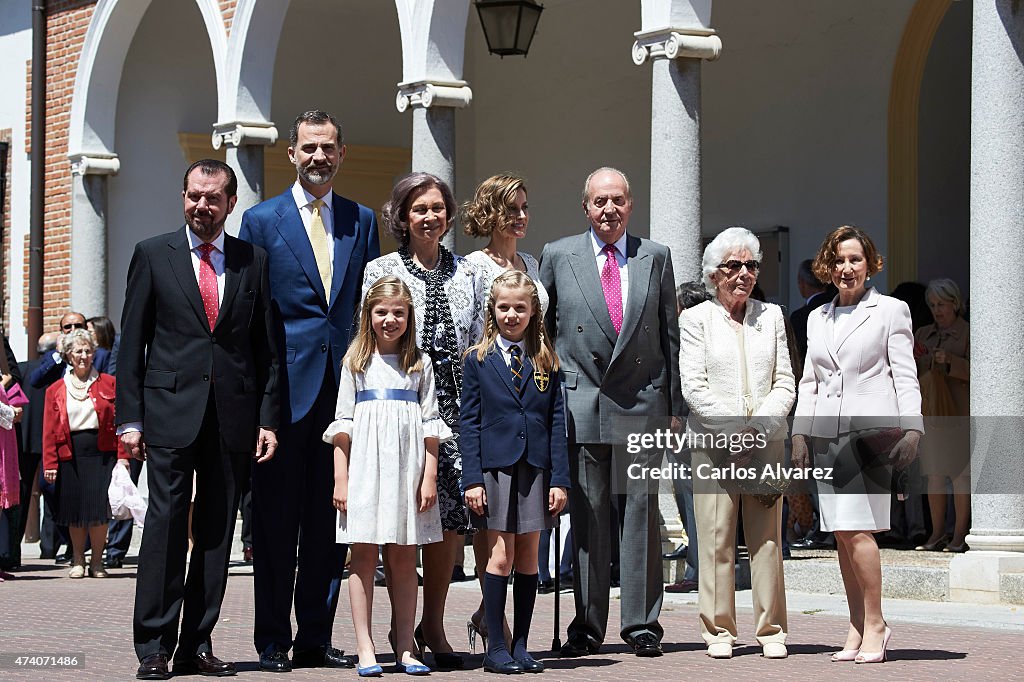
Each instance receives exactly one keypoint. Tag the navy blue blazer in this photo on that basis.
(498, 427)
(308, 323)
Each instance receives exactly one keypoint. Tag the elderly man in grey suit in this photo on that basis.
(613, 318)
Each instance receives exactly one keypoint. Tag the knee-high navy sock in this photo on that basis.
(494, 589)
(524, 596)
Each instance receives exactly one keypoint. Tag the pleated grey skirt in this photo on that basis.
(517, 499)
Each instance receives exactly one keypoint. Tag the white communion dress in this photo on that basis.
(387, 413)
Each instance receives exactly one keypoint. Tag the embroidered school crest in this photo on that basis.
(541, 379)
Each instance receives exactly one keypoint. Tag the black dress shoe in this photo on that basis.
(530, 664)
(113, 562)
(545, 587)
(153, 667)
(677, 553)
(810, 543)
(63, 559)
(336, 658)
(646, 645)
(204, 663)
(578, 646)
(509, 667)
(273, 661)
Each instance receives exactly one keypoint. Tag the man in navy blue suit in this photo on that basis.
(319, 244)
(52, 366)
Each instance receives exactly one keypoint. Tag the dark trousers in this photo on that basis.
(293, 533)
(162, 591)
(590, 508)
(119, 532)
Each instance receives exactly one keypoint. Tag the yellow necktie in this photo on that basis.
(321, 250)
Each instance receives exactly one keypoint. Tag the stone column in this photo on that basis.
(244, 142)
(433, 128)
(675, 139)
(89, 173)
(997, 334)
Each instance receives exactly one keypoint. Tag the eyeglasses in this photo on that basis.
(733, 266)
(72, 325)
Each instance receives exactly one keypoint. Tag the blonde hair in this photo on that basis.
(365, 343)
(538, 347)
(492, 207)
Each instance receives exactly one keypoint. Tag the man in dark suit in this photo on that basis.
(613, 317)
(318, 244)
(196, 394)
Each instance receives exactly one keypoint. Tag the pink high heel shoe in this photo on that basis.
(876, 657)
(845, 655)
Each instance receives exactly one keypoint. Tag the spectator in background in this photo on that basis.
(53, 366)
(80, 448)
(106, 337)
(942, 350)
(688, 295)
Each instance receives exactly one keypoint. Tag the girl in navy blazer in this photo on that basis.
(515, 486)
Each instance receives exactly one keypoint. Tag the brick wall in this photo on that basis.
(67, 22)
(227, 9)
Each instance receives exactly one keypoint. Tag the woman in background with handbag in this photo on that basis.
(737, 380)
(80, 449)
(858, 405)
(943, 366)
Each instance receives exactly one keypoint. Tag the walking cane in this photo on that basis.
(556, 642)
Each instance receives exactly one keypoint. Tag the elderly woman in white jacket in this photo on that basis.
(738, 383)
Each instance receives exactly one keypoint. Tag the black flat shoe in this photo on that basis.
(530, 664)
(275, 662)
(510, 667)
(336, 658)
(545, 587)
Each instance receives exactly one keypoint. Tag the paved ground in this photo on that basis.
(43, 611)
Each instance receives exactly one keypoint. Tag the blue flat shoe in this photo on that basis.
(370, 671)
(412, 668)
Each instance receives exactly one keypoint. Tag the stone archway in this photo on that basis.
(92, 133)
(904, 98)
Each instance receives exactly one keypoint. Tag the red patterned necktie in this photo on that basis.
(208, 284)
(612, 286)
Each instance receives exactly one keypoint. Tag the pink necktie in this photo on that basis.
(208, 284)
(612, 286)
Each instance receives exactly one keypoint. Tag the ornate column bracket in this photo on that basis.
(433, 93)
(672, 43)
(94, 164)
(242, 133)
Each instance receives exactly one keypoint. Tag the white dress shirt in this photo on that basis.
(304, 201)
(620, 260)
(216, 257)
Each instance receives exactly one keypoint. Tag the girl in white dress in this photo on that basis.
(386, 435)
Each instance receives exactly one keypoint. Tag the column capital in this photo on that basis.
(241, 133)
(433, 93)
(672, 43)
(94, 163)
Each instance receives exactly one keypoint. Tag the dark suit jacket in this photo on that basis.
(307, 323)
(498, 427)
(798, 320)
(170, 359)
(609, 376)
